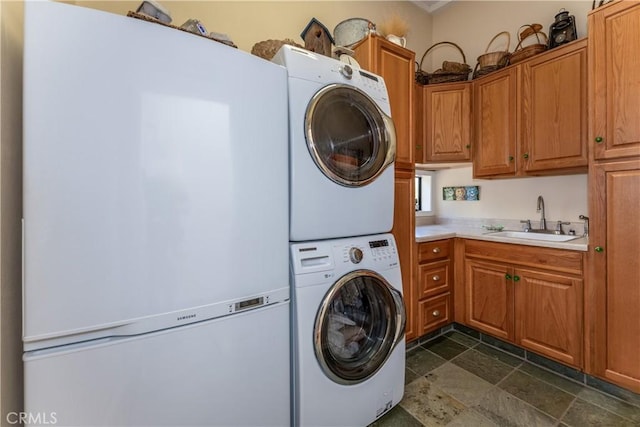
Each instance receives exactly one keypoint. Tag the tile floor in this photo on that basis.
(458, 380)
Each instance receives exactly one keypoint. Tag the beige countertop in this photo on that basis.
(428, 233)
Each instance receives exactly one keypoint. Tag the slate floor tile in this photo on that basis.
(498, 354)
(582, 413)
(611, 404)
(471, 418)
(461, 338)
(421, 361)
(539, 394)
(486, 367)
(397, 417)
(458, 383)
(444, 347)
(506, 410)
(551, 378)
(430, 405)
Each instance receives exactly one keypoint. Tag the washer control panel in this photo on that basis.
(381, 250)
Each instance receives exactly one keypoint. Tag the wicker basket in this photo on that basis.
(497, 59)
(450, 71)
(521, 53)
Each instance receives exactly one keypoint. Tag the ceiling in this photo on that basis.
(431, 6)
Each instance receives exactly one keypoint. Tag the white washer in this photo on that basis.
(342, 147)
(348, 319)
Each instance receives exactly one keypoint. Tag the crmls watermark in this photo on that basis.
(32, 418)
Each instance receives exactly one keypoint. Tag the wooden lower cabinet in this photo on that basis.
(527, 295)
(434, 285)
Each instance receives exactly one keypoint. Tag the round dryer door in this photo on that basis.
(358, 325)
(349, 137)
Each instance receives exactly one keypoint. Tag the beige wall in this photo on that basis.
(249, 22)
(472, 24)
(11, 18)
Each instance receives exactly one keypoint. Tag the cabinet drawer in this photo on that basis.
(560, 260)
(434, 312)
(433, 278)
(430, 251)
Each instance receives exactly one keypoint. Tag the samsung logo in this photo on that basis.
(189, 316)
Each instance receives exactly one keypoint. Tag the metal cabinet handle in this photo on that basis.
(599, 249)
(511, 158)
(599, 139)
(526, 155)
(436, 278)
(507, 276)
(436, 313)
(516, 278)
(436, 250)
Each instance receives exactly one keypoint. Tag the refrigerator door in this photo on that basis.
(155, 173)
(213, 373)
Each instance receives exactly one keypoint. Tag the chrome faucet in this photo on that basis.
(540, 208)
(586, 225)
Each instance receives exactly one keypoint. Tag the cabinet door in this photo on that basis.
(489, 296)
(614, 43)
(404, 233)
(446, 119)
(418, 123)
(396, 65)
(554, 110)
(613, 288)
(549, 314)
(495, 123)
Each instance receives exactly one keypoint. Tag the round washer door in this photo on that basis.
(349, 137)
(359, 323)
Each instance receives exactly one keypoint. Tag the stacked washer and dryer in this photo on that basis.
(348, 317)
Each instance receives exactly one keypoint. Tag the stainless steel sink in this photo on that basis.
(534, 236)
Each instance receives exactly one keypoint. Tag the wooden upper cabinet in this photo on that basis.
(445, 122)
(495, 126)
(614, 64)
(397, 66)
(531, 118)
(554, 115)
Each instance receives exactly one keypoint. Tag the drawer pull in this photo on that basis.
(436, 278)
(436, 313)
(436, 250)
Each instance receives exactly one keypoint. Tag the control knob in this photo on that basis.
(355, 255)
(346, 71)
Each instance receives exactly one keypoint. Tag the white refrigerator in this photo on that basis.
(155, 230)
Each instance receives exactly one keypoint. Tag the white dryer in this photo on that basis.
(342, 147)
(348, 319)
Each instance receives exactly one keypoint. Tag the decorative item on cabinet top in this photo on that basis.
(189, 26)
(562, 30)
(468, 193)
(522, 52)
(450, 72)
(394, 29)
(350, 31)
(317, 38)
(492, 61)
